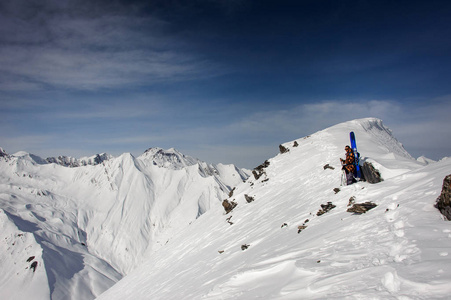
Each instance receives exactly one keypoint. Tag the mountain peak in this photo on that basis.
(293, 234)
(170, 158)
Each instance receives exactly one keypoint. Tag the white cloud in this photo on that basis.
(424, 130)
(83, 51)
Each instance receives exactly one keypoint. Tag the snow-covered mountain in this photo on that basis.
(73, 233)
(72, 230)
(297, 239)
(72, 162)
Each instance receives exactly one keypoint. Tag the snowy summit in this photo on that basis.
(154, 227)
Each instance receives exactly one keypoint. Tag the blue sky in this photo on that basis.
(223, 81)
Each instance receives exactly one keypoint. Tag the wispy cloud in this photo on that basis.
(65, 48)
(305, 119)
(423, 129)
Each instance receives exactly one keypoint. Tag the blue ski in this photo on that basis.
(356, 154)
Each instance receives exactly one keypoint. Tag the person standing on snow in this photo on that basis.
(349, 165)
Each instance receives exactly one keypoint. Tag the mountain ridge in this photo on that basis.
(296, 238)
(95, 223)
(130, 227)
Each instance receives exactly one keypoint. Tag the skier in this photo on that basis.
(349, 165)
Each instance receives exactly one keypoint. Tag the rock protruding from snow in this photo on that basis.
(3, 153)
(370, 173)
(444, 200)
(260, 170)
(361, 208)
(229, 205)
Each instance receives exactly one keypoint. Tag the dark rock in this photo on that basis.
(351, 201)
(221, 251)
(284, 225)
(325, 208)
(3, 153)
(361, 208)
(328, 167)
(228, 220)
(283, 149)
(244, 247)
(231, 192)
(260, 170)
(444, 200)
(30, 258)
(262, 166)
(295, 144)
(248, 198)
(336, 190)
(229, 205)
(33, 266)
(370, 173)
(301, 227)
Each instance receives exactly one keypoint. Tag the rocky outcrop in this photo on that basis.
(260, 170)
(71, 162)
(327, 166)
(3, 153)
(229, 205)
(444, 200)
(248, 198)
(361, 208)
(370, 173)
(283, 149)
(325, 208)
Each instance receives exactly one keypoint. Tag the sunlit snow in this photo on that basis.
(158, 219)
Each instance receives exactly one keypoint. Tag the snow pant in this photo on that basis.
(349, 178)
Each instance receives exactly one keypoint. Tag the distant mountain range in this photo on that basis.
(89, 221)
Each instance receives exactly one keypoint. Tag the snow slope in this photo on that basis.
(88, 226)
(398, 250)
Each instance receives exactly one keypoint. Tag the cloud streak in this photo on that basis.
(246, 140)
(88, 52)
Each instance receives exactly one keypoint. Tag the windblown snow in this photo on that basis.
(158, 220)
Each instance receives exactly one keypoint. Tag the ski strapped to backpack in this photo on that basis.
(356, 154)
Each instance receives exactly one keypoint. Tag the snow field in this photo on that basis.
(158, 219)
(95, 223)
(396, 250)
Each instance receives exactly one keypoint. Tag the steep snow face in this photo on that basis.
(23, 275)
(227, 176)
(280, 246)
(93, 224)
